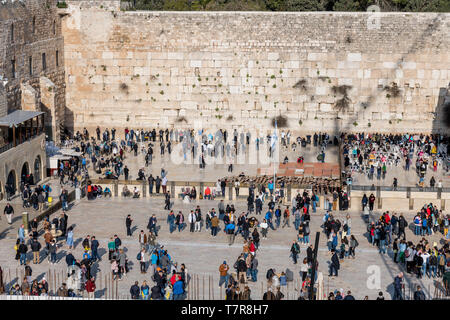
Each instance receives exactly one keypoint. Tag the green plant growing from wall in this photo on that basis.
(300, 122)
(161, 92)
(355, 123)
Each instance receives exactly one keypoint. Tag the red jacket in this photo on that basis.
(90, 286)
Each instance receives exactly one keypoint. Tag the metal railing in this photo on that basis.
(6, 147)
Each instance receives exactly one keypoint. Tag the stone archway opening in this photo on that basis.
(24, 174)
(37, 169)
(11, 183)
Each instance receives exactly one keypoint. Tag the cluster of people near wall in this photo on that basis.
(374, 154)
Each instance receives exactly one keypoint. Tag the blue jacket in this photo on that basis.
(230, 226)
(154, 258)
(268, 215)
(335, 241)
(178, 287)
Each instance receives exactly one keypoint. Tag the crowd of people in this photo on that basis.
(373, 154)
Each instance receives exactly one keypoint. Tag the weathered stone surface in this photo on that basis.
(28, 30)
(250, 61)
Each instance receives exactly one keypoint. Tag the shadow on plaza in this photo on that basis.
(409, 281)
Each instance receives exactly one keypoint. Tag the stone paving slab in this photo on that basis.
(203, 254)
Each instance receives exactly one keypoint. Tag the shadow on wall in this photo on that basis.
(441, 122)
(69, 122)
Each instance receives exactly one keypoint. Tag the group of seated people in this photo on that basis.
(127, 193)
(96, 191)
(110, 175)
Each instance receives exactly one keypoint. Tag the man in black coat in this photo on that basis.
(128, 221)
(334, 265)
(151, 181)
(70, 259)
(167, 201)
(419, 295)
(157, 183)
(35, 247)
(402, 224)
(135, 291)
(309, 253)
(94, 248)
(259, 205)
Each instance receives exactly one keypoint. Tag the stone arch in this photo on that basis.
(24, 172)
(37, 172)
(11, 181)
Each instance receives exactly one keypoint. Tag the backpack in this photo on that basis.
(442, 261)
(199, 217)
(138, 256)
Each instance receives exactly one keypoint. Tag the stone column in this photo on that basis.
(201, 189)
(116, 188)
(230, 193)
(48, 100)
(289, 193)
(144, 189)
(25, 219)
(172, 189)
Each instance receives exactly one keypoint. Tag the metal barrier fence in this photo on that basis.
(404, 189)
(199, 287)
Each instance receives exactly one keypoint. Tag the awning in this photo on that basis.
(69, 152)
(17, 117)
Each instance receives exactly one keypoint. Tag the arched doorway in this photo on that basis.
(25, 172)
(11, 182)
(37, 169)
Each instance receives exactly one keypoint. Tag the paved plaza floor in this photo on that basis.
(212, 172)
(202, 254)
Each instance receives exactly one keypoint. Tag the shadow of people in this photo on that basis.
(390, 289)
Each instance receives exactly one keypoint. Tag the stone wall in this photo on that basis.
(36, 28)
(3, 102)
(27, 154)
(240, 69)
